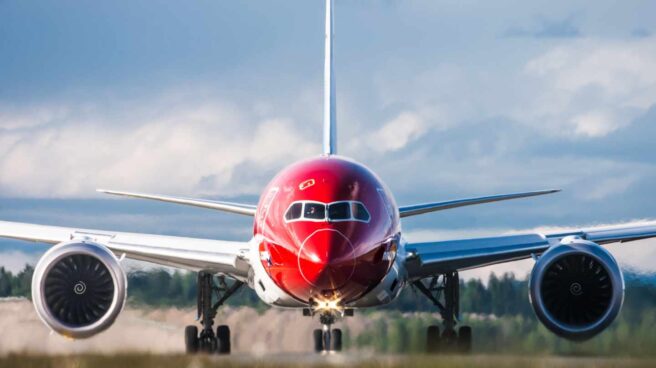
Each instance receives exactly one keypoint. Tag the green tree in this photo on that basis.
(5, 282)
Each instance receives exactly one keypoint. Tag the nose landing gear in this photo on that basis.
(446, 287)
(327, 339)
(207, 341)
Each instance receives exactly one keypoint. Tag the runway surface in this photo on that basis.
(153, 338)
(151, 330)
(310, 360)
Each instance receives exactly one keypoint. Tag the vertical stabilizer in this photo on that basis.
(329, 118)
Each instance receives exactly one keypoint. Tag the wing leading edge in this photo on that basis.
(242, 209)
(193, 254)
(431, 258)
(418, 209)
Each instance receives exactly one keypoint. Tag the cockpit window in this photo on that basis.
(360, 212)
(339, 211)
(314, 211)
(294, 211)
(334, 212)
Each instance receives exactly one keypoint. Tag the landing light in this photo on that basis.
(328, 305)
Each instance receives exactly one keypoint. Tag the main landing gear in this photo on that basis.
(207, 341)
(444, 291)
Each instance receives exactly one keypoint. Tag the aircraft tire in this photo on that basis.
(223, 339)
(191, 339)
(465, 339)
(318, 340)
(432, 339)
(336, 340)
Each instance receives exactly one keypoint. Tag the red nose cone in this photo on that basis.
(326, 259)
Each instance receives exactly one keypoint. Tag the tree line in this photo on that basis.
(503, 295)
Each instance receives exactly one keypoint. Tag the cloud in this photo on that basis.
(543, 27)
(621, 69)
(12, 118)
(397, 133)
(594, 124)
(609, 186)
(640, 33)
(616, 66)
(581, 89)
(15, 261)
(165, 145)
(590, 87)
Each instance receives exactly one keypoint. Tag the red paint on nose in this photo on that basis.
(326, 259)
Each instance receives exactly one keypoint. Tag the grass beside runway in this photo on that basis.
(311, 360)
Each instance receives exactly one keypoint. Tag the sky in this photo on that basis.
(443, 99)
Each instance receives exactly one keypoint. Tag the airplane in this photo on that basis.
(327, 241)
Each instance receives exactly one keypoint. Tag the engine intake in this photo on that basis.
(576, 289)
(78, 289)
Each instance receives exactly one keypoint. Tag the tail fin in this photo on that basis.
(329, 118)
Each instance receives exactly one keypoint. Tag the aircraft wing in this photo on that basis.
(418, 209)
(193, 254)
(238, 208)
(432, 258)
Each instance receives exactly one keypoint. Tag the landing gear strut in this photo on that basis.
(444, 291)
(327, 339)
(207, 341)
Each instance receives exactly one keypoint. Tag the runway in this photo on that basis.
(161, 331)
(153, 338)
(310, 360)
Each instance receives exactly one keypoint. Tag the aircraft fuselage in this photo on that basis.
(328, 229)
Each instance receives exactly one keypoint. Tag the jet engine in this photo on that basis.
(78, 288)
(576, 289)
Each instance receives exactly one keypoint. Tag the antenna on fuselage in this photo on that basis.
(329, 118)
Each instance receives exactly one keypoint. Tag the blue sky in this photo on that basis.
(442, 99)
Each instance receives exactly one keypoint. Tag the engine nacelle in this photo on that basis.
(576, 289)
(78, 288)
